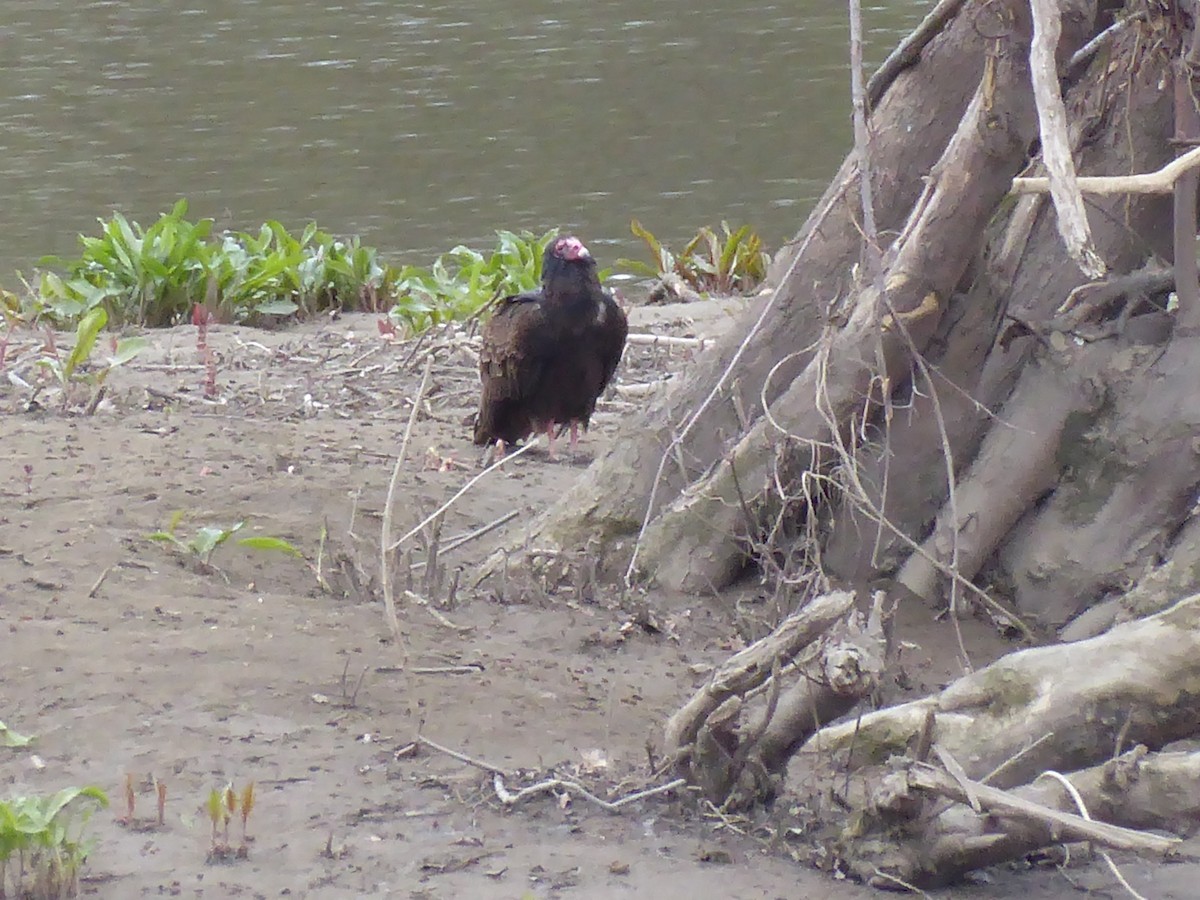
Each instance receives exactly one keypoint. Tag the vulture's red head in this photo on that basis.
(568, 267)
(569, 248)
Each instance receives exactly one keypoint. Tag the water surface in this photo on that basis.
(423, 125)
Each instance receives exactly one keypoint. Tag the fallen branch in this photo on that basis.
(666, 340)
(1056, 145)
(559, 784)
(1072, 700)
(909, 51)
(1062, 825)
(739, 760)
(751, 667)
(420, 601)
(422, 741)
(465, 669)
(642, 388)
(913, 842)
(1159, 182)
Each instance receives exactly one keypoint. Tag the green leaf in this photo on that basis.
(262, 542)
(10, 738)
(85, 338)
(637, 267)
(209, 537)
(277, 308)
(127, 349)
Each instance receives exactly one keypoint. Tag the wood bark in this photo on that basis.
(694, 543)
(971, 398)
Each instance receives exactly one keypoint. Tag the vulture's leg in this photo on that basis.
(550, 451)
(574, 436)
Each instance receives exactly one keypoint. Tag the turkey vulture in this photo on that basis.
(548, 354)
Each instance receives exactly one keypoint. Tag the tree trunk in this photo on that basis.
(912, 124)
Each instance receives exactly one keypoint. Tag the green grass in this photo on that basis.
(155, 276)
(42, 843)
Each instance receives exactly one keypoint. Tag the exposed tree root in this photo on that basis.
(1056, 707)
(1138, 790)
(738, 760)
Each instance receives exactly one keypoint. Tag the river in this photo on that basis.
(421, 125)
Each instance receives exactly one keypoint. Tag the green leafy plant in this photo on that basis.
(157, 275)
(154, 276)
(69, 370)
(725, 263)
(207, 538)
(42, 842)
(461, 282)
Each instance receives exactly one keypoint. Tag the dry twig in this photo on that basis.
(559, 784)
(385, 550)
(527, 446)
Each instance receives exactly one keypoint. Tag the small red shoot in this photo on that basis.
(161, 788)
(130, 797)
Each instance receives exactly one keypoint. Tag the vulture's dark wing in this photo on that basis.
(512, 365)
(610, 343)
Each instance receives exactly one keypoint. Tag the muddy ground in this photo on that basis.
(125, 658)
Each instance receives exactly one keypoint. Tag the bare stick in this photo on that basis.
(99, 581)
(477, 533)
(1161, 181)
(862, 143)
(959, 774)
(1081, 56)
(1056, 146)
(1082, 807)
(542, 787)
(533, 442)
(666, 340)
(909, 50)
(429, 608)
(1016, 757)
(466, 669)
(461, 757)
(385, 556)
(641, 388)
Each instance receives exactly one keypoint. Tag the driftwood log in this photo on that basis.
(1151, 792)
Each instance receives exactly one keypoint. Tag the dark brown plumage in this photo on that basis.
(549, 354)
